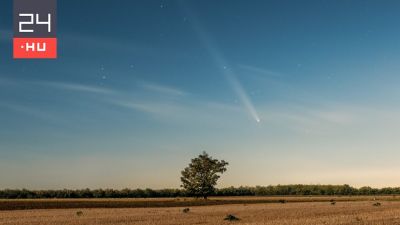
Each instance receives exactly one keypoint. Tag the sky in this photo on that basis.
(287, 92)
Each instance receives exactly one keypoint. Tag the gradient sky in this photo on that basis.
(285, 91)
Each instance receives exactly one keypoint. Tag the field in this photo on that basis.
(250, 210)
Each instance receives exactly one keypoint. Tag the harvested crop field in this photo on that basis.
(343, 212)
(173, 202)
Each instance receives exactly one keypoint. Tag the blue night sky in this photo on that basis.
(286, 91)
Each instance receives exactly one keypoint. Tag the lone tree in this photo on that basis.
(200, 177)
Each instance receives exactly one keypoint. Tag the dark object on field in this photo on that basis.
(231, 218)
(333, 203)
(79, 213)
(283, 201)
(186, 210)
(377, 204)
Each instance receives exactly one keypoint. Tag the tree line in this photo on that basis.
(230, 191)
(199, 179)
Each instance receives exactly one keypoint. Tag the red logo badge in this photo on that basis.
(35, 48)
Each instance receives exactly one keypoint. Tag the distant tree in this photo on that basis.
(201, 176)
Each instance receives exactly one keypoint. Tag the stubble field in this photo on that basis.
(296, 211)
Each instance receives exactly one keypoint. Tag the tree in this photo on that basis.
(200, 177)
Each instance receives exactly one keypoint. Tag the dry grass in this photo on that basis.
(344, 212)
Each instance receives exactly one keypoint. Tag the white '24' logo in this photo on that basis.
(32, 22)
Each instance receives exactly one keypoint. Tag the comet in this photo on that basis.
(223, 64)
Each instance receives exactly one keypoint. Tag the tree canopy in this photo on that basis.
(201, 176)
